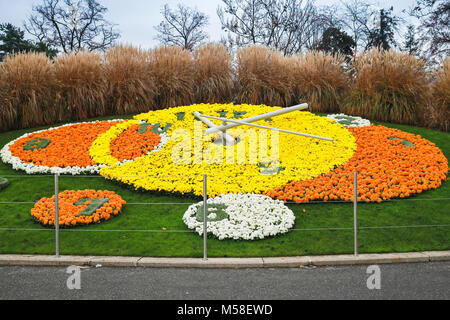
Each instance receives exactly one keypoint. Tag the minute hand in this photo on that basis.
(257, 118)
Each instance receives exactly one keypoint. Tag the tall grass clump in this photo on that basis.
(7, 113)
(388, 86)
(439, 107)
(29, 81)
(319, 79)
(263, 77)
(213, 74)
(81, 86)
(173, 71)
(130, 84)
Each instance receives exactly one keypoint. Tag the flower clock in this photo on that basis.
(168, 151)
(77, 208)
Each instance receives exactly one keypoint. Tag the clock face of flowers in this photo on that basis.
(260, 161)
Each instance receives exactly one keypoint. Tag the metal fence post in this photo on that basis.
(205, 217)
(355, 210)
(57, 213)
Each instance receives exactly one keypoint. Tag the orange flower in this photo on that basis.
(130, 144)
(68, 147)
(388, 167)
(72, 214)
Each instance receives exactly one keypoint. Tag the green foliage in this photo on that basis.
(411, 44)
(403, 141)
(335, 41)
(92, 207)
(220, 212)
(158, 129)
(34, 144)
(12, 41)
(143, 128)
(383, 36)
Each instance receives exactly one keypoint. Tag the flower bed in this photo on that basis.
(77, 208)
(125, 142)
(63, 149)
(302, 157)
(390, 164)
(241, 217)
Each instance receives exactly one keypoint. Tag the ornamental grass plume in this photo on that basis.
(131, 88)
(81, 85)
(30, 84)
(319, 79)
(173, 71)
(439, 106)
(213, 74)
(389, 86)
(7, 113)
(263, 77)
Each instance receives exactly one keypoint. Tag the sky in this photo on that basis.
(136, 19)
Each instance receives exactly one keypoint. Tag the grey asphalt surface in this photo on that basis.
(398, 281)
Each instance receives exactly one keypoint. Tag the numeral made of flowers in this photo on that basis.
(92, 206)
(157, 128)
(34, 144)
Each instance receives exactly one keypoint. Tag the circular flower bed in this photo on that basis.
(125, 142)
(349, 121)
(63, 149)
(77, 208)
(241, 216)
(298, 156)
(390, 164)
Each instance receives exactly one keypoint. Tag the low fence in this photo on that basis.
(53, 183)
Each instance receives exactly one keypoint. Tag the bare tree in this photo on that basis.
(434, 31)
(72, 25)
(356, 18)
(287, 25)
(182, 27)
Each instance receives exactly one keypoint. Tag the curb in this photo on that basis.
(231, 263)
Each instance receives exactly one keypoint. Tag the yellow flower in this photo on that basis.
(299, 158)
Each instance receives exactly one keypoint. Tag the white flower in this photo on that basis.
(349, 121)
(250, 216)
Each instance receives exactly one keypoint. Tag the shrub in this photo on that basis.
(173, 72)
(213, 74)
(81, 85)
(320, 80)
(29, 80)
(439, 107)
(389, 86)
(263, 77)
(130, 85)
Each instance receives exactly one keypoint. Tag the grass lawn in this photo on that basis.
(141, 214)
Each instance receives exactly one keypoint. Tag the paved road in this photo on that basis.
(398, 281)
